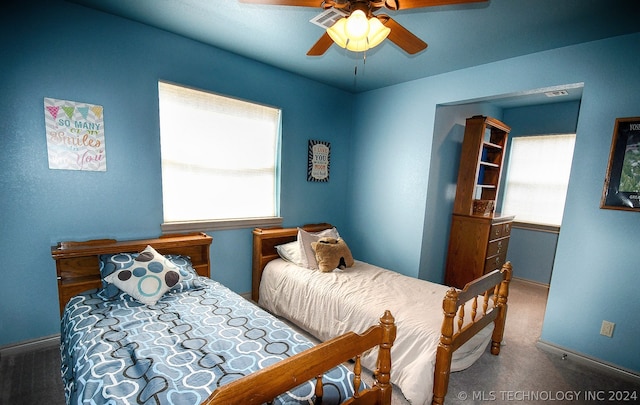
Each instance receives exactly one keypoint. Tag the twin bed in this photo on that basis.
(200, 343)
(428, 346)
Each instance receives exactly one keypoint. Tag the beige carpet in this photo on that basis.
(525, 374)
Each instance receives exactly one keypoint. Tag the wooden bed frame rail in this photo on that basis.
(264, 385)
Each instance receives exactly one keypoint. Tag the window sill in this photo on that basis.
(531, 226)
(220, 225)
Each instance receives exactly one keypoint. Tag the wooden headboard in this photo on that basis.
(264, 249)
(78, 266)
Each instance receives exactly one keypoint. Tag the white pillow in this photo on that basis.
(307, 255)
(150, 276)
(291, 252)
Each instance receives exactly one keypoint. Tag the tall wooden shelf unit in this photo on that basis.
(478, 237)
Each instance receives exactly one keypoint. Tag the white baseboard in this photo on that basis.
(611, 369)
(29, 345)
(527, 281)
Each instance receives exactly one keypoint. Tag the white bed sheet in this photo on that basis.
(330, 304)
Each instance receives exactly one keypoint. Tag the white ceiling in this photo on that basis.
(459, 36)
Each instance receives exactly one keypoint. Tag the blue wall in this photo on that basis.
(532, 252)
(595, 268)
(65, 51)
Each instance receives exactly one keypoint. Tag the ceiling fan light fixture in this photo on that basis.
(377, 32)
(357, 26)
(359, 34)
(338, 34)
(358, 46)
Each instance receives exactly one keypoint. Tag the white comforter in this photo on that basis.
(330, 304)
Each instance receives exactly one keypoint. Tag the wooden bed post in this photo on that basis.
(501, 319)
(445, 350)
(383, 372)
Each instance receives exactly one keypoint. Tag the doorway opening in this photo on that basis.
(551, 110)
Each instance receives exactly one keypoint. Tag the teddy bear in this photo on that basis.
(332, 253)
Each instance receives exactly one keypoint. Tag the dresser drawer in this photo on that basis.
(506, 229)
(498, 231)
(495, 262)
(497, 247)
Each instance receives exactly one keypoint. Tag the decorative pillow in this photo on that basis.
(291, 252)
(148, 278)
(307, 255)
(189, 277)
(109, 264)
(332, 253)
(113, 262)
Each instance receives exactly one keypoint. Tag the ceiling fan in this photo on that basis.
(361, 29)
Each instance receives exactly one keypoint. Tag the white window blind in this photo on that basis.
(219, 156)
(537, 178)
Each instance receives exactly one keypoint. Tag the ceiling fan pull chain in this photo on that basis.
(355, 76)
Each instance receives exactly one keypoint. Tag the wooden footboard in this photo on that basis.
(266, 384)
(486, 298)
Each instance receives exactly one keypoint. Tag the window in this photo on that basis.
(219, 160)
(537, 178)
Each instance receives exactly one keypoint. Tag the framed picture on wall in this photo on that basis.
(622, 181)
(319, 158)
(75, 135)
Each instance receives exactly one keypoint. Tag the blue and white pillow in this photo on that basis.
(147, 277)
(110, 263)
(189, 280)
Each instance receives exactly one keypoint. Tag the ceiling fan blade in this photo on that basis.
(407, 4)
(300, 3)
(401, 36)
(320, 47)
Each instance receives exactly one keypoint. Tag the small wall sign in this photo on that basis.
(75, 135)
(319, 156)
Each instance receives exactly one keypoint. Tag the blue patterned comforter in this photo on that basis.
(178, 351)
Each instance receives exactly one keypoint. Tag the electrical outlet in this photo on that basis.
(607, 328)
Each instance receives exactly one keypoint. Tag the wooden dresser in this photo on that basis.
(479, 238)
(477, 246)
